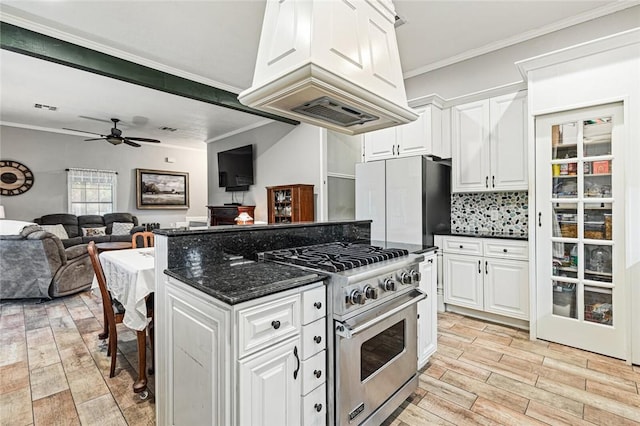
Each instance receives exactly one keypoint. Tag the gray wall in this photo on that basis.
(283, 154)
(497, 68)
(49, 154)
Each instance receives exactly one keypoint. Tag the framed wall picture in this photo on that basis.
(162, 189)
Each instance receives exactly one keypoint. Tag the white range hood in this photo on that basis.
(331, 63)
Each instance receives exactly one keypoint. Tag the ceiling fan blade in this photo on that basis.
(94, 139)
(128, 142)
(82, 131)
(144, 140)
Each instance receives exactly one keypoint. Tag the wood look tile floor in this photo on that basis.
(487, 374)
(54, 371)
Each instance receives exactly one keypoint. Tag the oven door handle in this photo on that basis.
(344, 329)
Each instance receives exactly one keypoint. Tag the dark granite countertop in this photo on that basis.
(486, 234)
(175, 232)
(412, 248)
(238, 281)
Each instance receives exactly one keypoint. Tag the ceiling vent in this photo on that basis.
(47, 107)
(334, 64)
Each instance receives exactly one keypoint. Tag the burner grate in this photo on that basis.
(335, 257)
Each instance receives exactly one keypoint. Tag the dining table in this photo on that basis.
(130, 278)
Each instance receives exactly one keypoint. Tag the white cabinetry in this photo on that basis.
(260, 362)
(428, 310)
(489, 139)
(420, 137)
(487, 275)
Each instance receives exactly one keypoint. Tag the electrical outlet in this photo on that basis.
(495, 214)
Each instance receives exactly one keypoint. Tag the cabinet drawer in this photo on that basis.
(463, 245)
(313, 338)
(263, 325)
(314, 372)
(506, 249)
(314, 407)
(314, 304)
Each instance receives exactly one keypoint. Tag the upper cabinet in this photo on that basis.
(420, 137)
(489, 141)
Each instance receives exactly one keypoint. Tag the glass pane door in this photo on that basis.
(576, 198)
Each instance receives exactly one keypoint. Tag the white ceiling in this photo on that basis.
(215, 42)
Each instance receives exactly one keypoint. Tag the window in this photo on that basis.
(91, 191)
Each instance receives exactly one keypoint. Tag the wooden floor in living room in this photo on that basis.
(54, 370)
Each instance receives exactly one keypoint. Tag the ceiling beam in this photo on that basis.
(31, 43)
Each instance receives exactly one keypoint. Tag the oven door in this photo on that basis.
(376, 356)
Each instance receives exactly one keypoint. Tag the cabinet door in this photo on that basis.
(194, 380)
(506, 290)
(509, 168)
(427, 311)
(380, 144)
(413, 138)
(463, 280)
(470, 161)
(268, 392)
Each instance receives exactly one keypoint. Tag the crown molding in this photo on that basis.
(614, 41)
(240, 130)
(528, 35)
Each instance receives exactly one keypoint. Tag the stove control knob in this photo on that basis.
(388, 284)
(416, 276)
(356, 297)
(406, 278)
(370, 292)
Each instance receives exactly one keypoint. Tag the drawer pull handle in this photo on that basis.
(317, 339)
(295, 353)
(275, 324)
(318, 407)
(317, 305)
(504, 250)
(317, 373)
(461, 246)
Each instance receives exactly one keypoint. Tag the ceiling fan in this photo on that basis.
(115, 137)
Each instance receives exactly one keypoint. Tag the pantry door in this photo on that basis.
(580, 229)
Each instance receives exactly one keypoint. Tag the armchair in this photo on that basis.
(35, 264)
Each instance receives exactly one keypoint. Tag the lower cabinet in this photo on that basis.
(428, 310)
(268, 388)
(487, 275)
(260, 362)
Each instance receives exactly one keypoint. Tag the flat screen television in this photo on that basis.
(235, 168)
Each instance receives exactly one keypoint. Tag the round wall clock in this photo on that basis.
(15, 178)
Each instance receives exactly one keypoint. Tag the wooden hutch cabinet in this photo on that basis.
(290, 203)
(226, 215)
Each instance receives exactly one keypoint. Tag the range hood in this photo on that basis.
(334, 64)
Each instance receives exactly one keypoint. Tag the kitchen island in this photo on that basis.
(240, 341)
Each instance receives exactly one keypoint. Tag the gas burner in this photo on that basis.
(335, 257)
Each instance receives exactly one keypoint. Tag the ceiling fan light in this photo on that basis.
(114, 140)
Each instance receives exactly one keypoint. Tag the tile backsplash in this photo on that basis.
(502, 212)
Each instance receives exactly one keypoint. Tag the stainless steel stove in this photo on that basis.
(372, 294)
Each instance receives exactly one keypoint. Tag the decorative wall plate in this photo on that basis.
(15, 178)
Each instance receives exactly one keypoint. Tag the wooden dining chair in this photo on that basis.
(114, 314)
(145, 236)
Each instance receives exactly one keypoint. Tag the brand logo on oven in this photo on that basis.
(359, 409)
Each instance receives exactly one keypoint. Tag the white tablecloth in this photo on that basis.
(130, 278)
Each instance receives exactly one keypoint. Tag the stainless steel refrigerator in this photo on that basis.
(407, 198)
